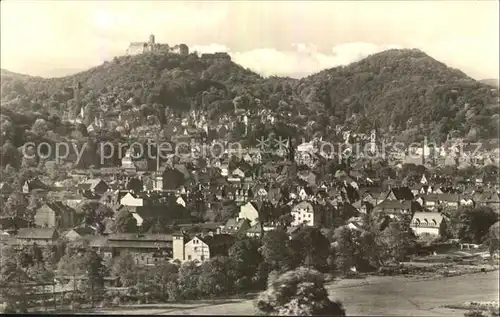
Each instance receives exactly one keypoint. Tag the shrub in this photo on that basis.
(300, 292)
(474, 313)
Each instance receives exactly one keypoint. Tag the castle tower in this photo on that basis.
(151, 43)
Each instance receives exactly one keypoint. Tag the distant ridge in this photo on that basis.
(491, 82)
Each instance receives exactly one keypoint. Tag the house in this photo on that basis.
(96, 186)
(399, 193)
(128, 163)
(249, 211)
(236, 226)
(303, 213)
(180, 201)
(426, 223)
(202, 248)
(33, 184)
(423, 180)
(238, 173)
(131, 199)
(148, 215)
(55, 215)
(38, 236)
(466, 202)
(397, 207)
(255, 231)
(202, 228)
(260, 191)
(147, 249)
(12, 223)
(488, 198)
(440, 200)
(79, 232)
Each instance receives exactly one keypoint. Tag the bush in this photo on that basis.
(298, 293)
(74, 305)
(474, 313)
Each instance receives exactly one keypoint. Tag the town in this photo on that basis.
(167, 176)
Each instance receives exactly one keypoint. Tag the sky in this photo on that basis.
(56, 38)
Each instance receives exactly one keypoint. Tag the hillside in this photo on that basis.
(395, 86)
(402, 90)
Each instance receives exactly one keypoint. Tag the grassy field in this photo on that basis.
(370, 296)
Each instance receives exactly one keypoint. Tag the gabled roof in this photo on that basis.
(427, 217)
(36, 184)
(218, 240)
(237, 224)
(84, 231)
(394, 205)
(36, 233)
(90, 184)
(402, 193)
(58, 207)
(139, 237)
(303, 205)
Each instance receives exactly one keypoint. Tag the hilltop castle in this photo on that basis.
(136, 48)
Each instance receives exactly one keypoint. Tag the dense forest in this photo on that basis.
(396, 91)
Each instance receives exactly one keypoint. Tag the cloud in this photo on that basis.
(301, 60)
(209, 49)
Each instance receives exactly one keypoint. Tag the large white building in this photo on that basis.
(426, 223)
(248, 211)
(303, 213)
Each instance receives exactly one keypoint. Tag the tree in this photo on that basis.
(397, 240)
(444, 232)
(125, 269)
(94, 274)
(345, 249)
(188, 280)
(276, 250)
(93, 212)
(124, 222)
(245, 252)
(16, 205)
(162, 276)
(370, 249)
(471, 224)
(494, 238)
(298, 293)
(12, 274)
(217, 276)
(310, 248)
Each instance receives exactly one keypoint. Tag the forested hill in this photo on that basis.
(384, 90)
(394, 86)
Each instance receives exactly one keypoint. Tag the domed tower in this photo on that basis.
(151, 43)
